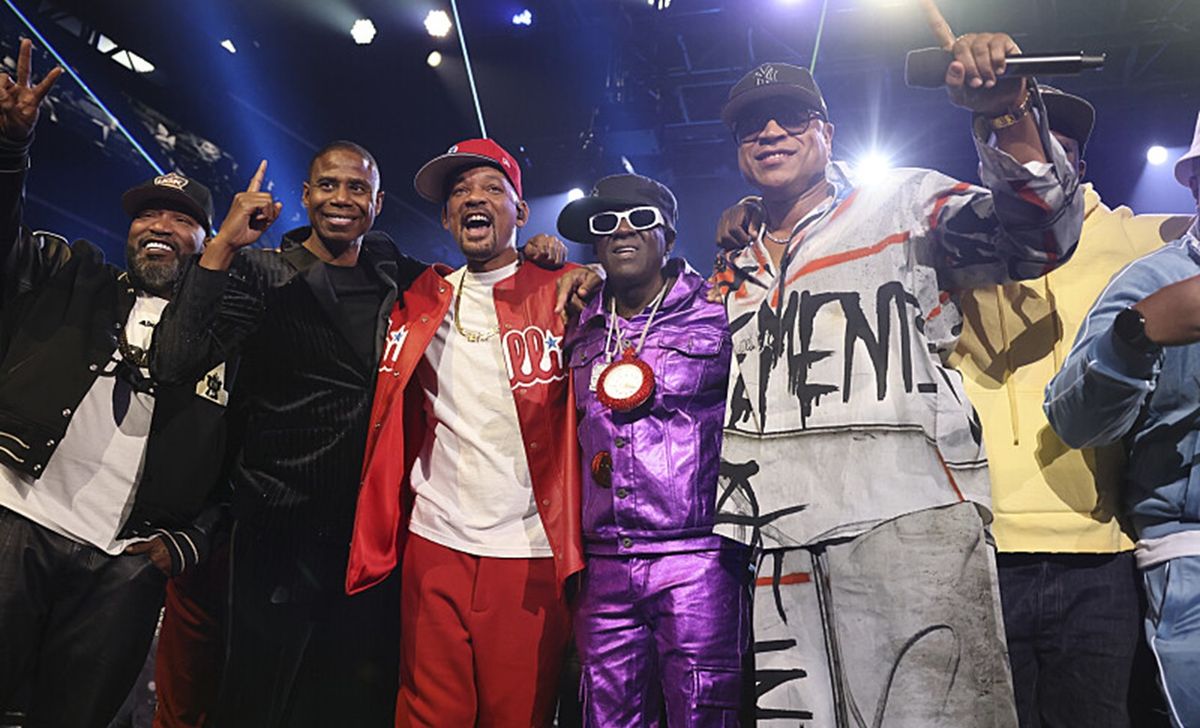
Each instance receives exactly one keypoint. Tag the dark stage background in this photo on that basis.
(588, 84)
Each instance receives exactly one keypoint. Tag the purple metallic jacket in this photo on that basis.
(666, 453)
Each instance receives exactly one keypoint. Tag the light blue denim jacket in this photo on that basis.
(1107, 392)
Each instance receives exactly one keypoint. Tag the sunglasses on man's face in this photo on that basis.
(638, 218)
(794, 120)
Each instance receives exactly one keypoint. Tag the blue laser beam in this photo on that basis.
(86, 89)
(462, 40)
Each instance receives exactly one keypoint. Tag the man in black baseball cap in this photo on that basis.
(154, 255)
(852, 457)
(103, 471)
(1057, 526)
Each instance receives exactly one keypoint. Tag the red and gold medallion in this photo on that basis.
(625, 384)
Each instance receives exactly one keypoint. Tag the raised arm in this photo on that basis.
(20, 101)
(1098, 395)
(220, 300)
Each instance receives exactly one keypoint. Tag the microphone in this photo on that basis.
(926, 67)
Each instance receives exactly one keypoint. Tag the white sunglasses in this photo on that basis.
(639, 218)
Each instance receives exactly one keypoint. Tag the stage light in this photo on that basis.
(574, 194)
(437, 22)
(1156, 154)
(434, 59)
(870, 167)
(525, 17)
(363, 31)
(133, 62)
(659, 4)
(228, 45)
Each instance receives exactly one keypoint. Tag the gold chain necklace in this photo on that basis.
(471, 336)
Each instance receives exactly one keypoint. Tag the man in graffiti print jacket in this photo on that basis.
(852, 456)
(471, 477)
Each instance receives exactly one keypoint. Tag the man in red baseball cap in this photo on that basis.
(472, 474)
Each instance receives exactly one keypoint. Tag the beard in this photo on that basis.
(157, 278)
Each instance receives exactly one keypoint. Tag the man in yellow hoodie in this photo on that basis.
(1068, 583)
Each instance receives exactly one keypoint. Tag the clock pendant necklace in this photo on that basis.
(626, 384)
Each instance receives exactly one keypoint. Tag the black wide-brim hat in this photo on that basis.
(1070, 115)
(613, 193)
(773, 80)
(171, 191)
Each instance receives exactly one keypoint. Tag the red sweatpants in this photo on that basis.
(482, 639)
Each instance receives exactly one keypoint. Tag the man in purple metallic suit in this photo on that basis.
(663, 608)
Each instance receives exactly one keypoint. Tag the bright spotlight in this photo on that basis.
(434, 59)
(525, 17)
(574, 194)
(659, 4)
(363, 31)
(438, 23)
(228, 45)
(870, 167)
(1156, 154)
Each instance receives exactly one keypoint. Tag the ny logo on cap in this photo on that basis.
(173, 180)
(765, 74)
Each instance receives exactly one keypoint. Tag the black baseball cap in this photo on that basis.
(1070, 115)
(773, 80)
(174, 192)
(613, 193)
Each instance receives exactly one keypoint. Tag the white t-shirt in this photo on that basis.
(471, 480)
(88, 487)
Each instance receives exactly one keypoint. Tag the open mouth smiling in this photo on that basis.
(157, 248)
(339, 220)
(773, 155)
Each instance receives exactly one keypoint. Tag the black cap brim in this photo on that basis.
(143, 197)
(573, 219)
(1069, 115)
(738, 104)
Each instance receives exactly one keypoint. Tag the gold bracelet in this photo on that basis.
(1008, 118)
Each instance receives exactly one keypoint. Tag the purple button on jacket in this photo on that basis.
(666, 453)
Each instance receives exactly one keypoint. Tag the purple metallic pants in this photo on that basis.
(666, 626)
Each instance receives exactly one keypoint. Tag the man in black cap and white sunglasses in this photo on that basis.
(649, 365)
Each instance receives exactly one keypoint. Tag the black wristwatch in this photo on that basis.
(1130, 327)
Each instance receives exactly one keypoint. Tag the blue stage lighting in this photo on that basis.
(574, 194)
(525, 17)
(1156, 154)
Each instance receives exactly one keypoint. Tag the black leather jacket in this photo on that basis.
(61, 307)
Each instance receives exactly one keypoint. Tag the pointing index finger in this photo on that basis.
(941, 29)
(257, 179)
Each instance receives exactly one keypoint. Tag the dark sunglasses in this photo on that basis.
(794, 120)
(639, 218)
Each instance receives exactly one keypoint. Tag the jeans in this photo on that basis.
(1072, 626)
(1173, 631)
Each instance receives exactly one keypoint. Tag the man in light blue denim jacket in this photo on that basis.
(1134, 374)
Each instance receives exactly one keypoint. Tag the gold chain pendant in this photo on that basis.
(472, 337)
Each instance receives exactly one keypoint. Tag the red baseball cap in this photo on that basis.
(432, 179)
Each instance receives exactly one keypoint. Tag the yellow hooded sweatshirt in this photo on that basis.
(1047, 497)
